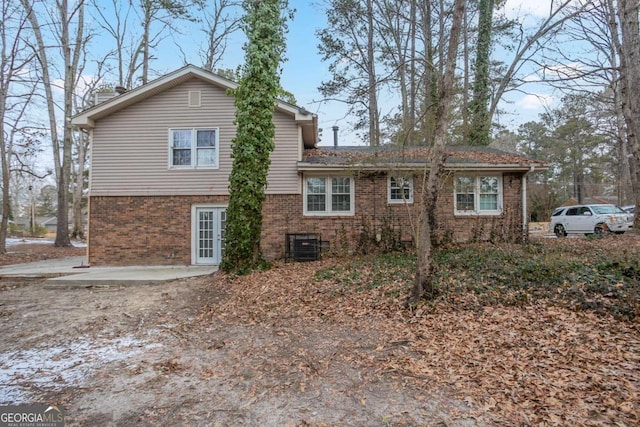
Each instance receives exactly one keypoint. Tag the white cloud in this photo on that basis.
(554, 72)
(518, 8)
(85, 82)
(571, 70)
(531, 78)
(535, 101)
(531, 8)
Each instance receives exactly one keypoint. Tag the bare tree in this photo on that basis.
(480, 122)
(116, 19)
(592, 66)
(66, 38)
(630, 78)
(80, 152)
(219, 22)
(16, 91)
(162, 13)
(350, 43)
(597, 69)
(397, 26)
(11, 25)
(137, 28)
(528, 47)
(15, 95)
(423, 283)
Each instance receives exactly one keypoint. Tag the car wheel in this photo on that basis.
(599, 230)
(560, 231)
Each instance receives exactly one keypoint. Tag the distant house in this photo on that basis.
(161, 158)
(47, 222)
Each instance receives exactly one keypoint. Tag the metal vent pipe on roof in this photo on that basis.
(335, 135)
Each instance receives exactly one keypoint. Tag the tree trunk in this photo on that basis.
(630, 77)
(374, 119)
(148, 16)
(71, 55)
(480, 120)
(78, 226)
(429, 79)
(6, 175)
(423, 283)
(465, 81)
(255, 101)
(412, 76)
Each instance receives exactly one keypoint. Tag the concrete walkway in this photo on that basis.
(73, 271)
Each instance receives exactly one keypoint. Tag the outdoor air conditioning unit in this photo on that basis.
(302, 246)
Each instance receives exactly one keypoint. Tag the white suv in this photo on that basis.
(589, 219)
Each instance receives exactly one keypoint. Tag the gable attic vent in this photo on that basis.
(195, 98)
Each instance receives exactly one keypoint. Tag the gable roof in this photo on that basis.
(87, 118)
(412, 158)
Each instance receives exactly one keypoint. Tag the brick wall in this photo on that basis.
(146, 230)
(156, 230)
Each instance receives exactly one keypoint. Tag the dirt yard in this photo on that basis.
(146, 355)
(294, 347)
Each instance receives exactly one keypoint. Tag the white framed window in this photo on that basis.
(193, 148)
(328, 195)
(399, 189)
(477, 194)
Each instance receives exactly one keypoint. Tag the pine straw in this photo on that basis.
(537, 364)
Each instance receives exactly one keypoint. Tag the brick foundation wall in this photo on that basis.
(374, 215)
(142, 230)
(156, 230)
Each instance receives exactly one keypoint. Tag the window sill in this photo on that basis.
(328, 214)
(472, 214)
(399, 202)
(191, 168)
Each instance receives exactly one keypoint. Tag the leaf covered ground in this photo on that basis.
(19, 253)
(545, 333)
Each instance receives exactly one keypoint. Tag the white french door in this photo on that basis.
(208, 234)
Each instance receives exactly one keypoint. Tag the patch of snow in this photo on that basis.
(53, 368)
(26, 241)
(11, 241)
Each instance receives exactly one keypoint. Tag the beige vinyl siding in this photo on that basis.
(130, 148)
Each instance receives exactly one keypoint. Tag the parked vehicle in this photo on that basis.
(629, 209)
(590, 219)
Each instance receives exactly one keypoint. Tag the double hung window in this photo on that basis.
(478, 194)
(331, 195)
(400, 190)
(193, 148)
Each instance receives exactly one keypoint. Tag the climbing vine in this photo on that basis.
(255, 100)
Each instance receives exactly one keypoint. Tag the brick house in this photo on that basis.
(161, 157)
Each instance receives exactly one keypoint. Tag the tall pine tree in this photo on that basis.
(479, 108)
(255, 100)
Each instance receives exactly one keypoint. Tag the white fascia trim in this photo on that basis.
(85, 119)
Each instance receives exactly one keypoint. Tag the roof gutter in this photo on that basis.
(305, 166)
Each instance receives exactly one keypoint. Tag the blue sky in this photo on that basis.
(304, 70)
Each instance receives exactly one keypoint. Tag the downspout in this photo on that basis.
(525, 222)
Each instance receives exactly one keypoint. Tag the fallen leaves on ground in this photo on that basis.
(536, 363)
(31, 252)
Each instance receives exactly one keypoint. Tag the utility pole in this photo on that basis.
(33, 210)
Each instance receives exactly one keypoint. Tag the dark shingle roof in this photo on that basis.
(385, 155)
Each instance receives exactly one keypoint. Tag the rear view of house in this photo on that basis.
(161, 158)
